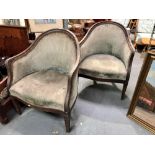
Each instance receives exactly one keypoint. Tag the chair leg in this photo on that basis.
(124, 90)
(95, 83)
(67, 121)
(16, 106)
(3, 117)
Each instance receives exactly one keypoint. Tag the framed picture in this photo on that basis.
(142, 108)
(42, 25)
(13, 22)
(45, 21)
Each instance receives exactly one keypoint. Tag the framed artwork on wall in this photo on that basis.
(42, 25)
(45, 21)
(13, 22)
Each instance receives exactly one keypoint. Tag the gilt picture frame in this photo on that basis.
(142, 107)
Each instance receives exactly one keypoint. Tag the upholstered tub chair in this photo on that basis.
(107, 54)
(45, 75)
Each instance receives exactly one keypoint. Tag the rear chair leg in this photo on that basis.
(124, 90)
(16, 106)
(67, 121)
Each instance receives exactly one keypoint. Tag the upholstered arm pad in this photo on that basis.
(126, 54)
(17, 68)
(72, 86)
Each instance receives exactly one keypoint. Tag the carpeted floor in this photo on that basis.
(98, 110)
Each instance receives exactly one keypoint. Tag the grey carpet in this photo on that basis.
(98, 111)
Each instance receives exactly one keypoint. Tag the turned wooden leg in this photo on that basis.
(124, 90)
(95, 83)
(16, 106)
(67, 121)
(3, 118)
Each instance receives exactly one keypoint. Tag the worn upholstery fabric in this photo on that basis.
(107, 39)
(56, 51)
(45, 88)
(74, 90)
(41, 77)
(103, 66)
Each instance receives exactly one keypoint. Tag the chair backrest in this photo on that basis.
(106, 38)
(55, 49)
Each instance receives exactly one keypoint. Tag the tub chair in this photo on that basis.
(45, 75)
(107, 54)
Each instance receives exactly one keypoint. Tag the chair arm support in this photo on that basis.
(71, 79)
(129, 65)
(9, 65)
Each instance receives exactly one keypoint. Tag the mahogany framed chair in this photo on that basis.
(45, 75)
(107, 54)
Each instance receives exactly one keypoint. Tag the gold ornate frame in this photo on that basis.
(150, 56)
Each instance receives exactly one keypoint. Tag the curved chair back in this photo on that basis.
(108, 38)
(55, 49)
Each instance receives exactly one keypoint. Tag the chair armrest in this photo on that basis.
(16, 70)
(72, 86)
(129, 65)
(3, 89)
(127, 52)
(128, 55)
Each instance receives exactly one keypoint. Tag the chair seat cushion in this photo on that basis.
(45, 88)
(103, 66)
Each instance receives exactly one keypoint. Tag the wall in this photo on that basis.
(1, 21)
(144, 25)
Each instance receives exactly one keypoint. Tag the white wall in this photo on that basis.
(1, 21)
(22, 22)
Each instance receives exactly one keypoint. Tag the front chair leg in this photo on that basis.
(124, 90)
(16, 106)
(3, 116)
(67, 121)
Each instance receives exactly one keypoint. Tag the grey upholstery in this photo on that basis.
(44, 88)
(54, 51)
(103, 66)
(45, 75)
(107, 54)
(107, 39)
